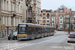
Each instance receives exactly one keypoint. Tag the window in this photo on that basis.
(60, 17)
(13, 6)
(43, 21)
(43, 17)
(52, 24)
(52, 14)
(22, 30)
(12, 21)
(56, 14)
(47, 24)
(61, 10)
(1, 5)
(56, 21)
(4, 4)
(43, 13)
(7, 5)
(7, 20)
(67, 11)
(1, 20)
(21, 9)
(60, 21)
(47, 14)
(52, 17)
(60, 13)
(68, 16)
(74, 15)
(67, 25)
(47, 20)
(67, 20)
(47, 17)
(52, 21)
(61, 25)
(64, 16)
(56, 17)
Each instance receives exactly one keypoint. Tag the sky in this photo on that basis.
(55, 4)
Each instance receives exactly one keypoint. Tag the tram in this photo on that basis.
(32, 31)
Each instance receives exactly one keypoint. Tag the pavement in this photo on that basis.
(1, 38)
(56, 42)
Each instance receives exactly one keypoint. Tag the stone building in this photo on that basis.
(11, 14)
(33, 11)
(38, 12)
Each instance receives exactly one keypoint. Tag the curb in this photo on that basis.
(3, 38)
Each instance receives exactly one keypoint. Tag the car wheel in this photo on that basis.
(8, 38)
(68, 41)
(13, 38)
(16, 38)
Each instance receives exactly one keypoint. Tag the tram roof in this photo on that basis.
(36, 24)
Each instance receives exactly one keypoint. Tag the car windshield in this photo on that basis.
(14, 33)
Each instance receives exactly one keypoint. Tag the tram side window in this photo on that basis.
(46, 30)
(39, 30)
(36, 30)
(42, 30)
(51, 30)
(30, 30)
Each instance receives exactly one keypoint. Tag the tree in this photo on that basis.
(64, 26)
(56, 25)
(71, 26)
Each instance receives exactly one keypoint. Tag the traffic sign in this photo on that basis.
(67, 28)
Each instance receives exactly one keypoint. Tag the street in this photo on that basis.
(56, 42)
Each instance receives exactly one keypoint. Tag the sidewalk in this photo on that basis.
(1, 38)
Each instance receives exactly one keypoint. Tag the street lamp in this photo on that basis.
(0, 16)
(69, 24)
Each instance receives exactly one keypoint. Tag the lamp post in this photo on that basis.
(69, 25)
(0, 16)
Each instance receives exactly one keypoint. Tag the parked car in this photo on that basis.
(71, 37)
(13, 36)
(60, 29)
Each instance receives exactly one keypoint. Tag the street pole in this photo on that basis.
(69, 24)
(0, 17)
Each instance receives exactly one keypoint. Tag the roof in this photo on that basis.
(65, 10)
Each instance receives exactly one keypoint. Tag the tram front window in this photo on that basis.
(22, 30)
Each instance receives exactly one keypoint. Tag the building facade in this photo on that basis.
(58, 18)
(52, 18)
(38, 12)
(73, 19)
(11, 15)
(33, 11)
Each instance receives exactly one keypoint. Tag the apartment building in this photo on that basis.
(11, 14)
(73, 20)
(38, 11)
(33, 11)
(52, 18)
(56, 18)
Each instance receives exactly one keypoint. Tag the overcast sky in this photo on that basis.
(54, 4)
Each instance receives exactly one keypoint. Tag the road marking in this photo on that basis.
(12, 46)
